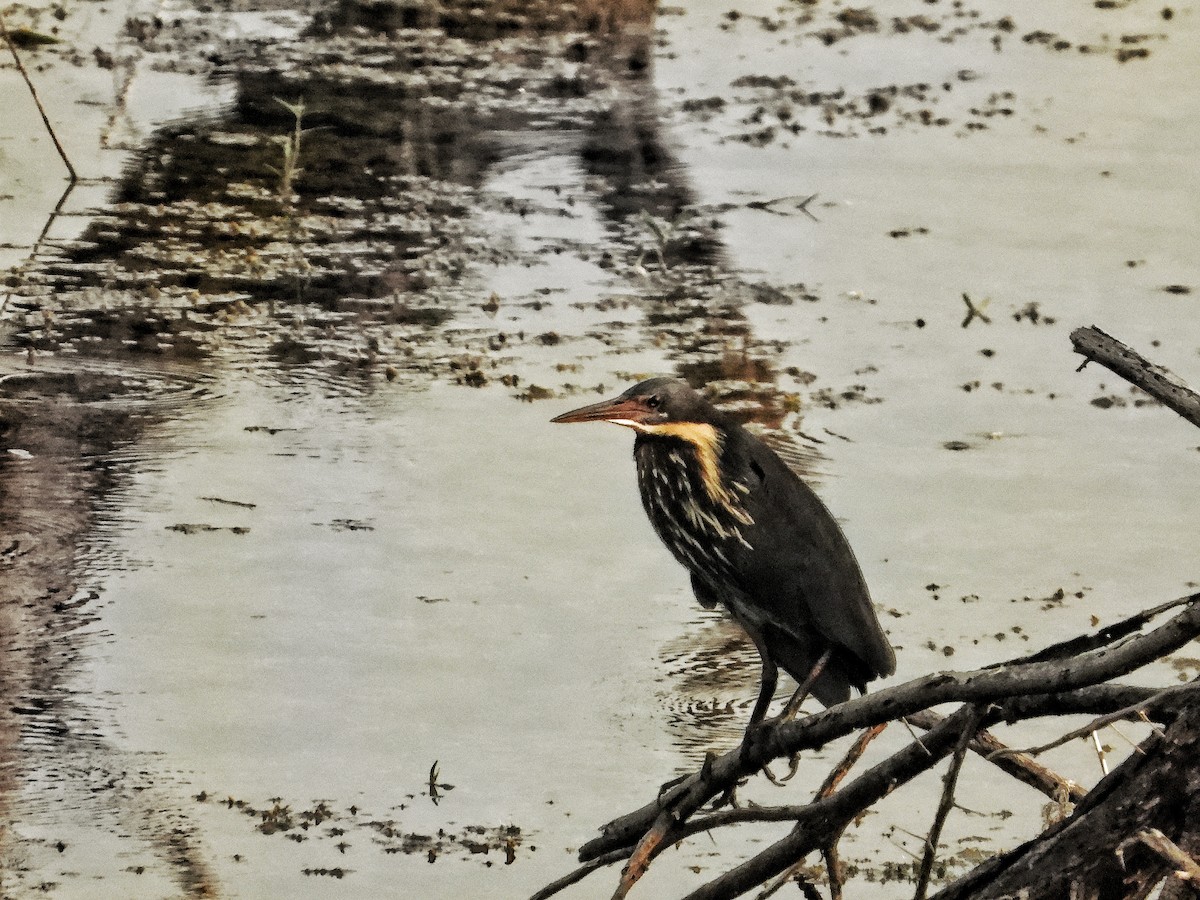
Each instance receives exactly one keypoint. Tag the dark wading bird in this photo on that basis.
(755, 538)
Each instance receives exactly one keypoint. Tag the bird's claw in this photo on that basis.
(756, 734)
(793, 767)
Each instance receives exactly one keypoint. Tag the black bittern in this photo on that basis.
(755, 538)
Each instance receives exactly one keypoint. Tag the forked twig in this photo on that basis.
(1097, 723)
(947, 802)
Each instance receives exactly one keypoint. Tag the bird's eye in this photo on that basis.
(653, 402)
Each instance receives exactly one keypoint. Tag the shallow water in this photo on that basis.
(310, 582)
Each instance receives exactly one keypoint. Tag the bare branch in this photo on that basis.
(945, 804)
(1156, 381)
(1127, 712)
(1013, 762)
(1186, 868)
(853, 755)
(646, 850)
(1107, 635)
(994, 685)
(577, 875)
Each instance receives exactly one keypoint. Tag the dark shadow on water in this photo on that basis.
(70, 427)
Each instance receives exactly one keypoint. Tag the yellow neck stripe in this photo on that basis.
(707, 441)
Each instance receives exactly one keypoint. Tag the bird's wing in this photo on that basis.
(801, 565)
(706, 595)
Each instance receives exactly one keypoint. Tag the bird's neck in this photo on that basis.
(706, 443)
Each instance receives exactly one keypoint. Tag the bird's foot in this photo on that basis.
(756, 735)
(752, 740)
(793, 767)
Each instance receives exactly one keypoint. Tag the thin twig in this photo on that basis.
(946, 803)
(833, 868)
(1126, 738)
(1095, 724)
(580, 873)
(853, 755)
(12, 48)
(1026, 769)
(1100, 752)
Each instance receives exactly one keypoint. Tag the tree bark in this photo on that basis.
(1165, 387)
(1094, 854)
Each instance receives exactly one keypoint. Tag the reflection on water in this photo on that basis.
(713, 674)
(366, 250)
(73, 431)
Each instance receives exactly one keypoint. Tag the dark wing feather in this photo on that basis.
(706, 595)
(801, 568)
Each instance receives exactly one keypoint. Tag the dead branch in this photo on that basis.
(853, 755)
(1156, 381)
(1127, 712)
(1019, 765)
(945, 804)
(1109, 634)
(1186, 868)
(992, 685)
(577, 875)
(1158, 788)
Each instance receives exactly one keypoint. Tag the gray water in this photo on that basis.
(426, 572)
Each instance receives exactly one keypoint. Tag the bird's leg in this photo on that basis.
(805, 687)
(770, 678)
(766, 692)
(793, 705)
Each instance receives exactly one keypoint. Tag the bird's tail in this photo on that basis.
(798, 656)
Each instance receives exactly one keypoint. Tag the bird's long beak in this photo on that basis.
(621, 411)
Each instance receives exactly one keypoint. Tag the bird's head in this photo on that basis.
(658, 406)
